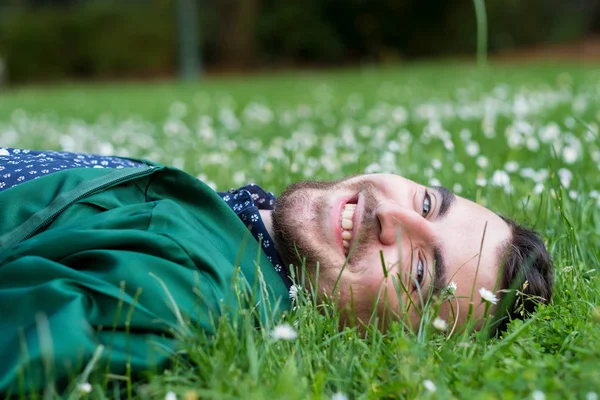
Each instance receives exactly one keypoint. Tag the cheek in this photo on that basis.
(398, 306)
(377, 270)
(368, 282)
(386, 272)
(365, 281)
(362, 281)
(452, 310)
(388, 257)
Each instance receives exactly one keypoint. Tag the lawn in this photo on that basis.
(522, 141)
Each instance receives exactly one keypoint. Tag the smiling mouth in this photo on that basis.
(347, 224)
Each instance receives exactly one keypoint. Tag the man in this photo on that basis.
(362, 229)
(108, 253)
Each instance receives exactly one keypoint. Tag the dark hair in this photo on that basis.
(527, 275)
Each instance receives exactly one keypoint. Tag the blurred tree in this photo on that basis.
(237, 20)
(515, 23)
(50, 2)
(91, 40)
(296, 31)
(44, 39)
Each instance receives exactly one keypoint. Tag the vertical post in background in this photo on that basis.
(2, 72)
(482, 32)
(188, 43)
(4, 10)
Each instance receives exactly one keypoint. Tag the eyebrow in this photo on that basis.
(448, 199)
(439, 272)
(439, 264)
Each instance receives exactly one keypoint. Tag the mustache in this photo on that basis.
(369, 225)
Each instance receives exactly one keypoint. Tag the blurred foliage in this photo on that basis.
(93, 39)
(48, 39)
(298, 31)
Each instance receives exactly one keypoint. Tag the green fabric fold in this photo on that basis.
(107, 254)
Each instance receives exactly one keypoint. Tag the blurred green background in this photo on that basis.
(47, 40)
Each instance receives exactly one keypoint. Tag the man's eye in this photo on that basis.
(420, 272)
(426, 205)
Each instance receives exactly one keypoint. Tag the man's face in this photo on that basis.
(425, 238)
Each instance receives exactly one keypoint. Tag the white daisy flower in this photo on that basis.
(565, 176)
(511, 166)
(339, 396)
(488, 296)
(440, 324)
(451, 288)
(472, 149)
(538, 188)
(570, 154)
(538, 395)
(482, 162)
(429, 386)
(294, 291)
(459, 168)
(170, 396)
(284, 332)
(500, 178)
(84, 387)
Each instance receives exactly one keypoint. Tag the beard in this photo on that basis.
(292, 245)
(298, 234)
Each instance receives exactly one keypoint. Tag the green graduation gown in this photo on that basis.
(76, 246)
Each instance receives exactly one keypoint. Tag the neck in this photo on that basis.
(267, 219)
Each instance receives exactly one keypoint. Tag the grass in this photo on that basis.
(520, 140)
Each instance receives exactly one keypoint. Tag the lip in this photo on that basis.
(336, 214)
(358, 217)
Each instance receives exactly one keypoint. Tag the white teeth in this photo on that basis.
(346, 223)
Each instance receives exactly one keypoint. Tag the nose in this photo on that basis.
(394, 218)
